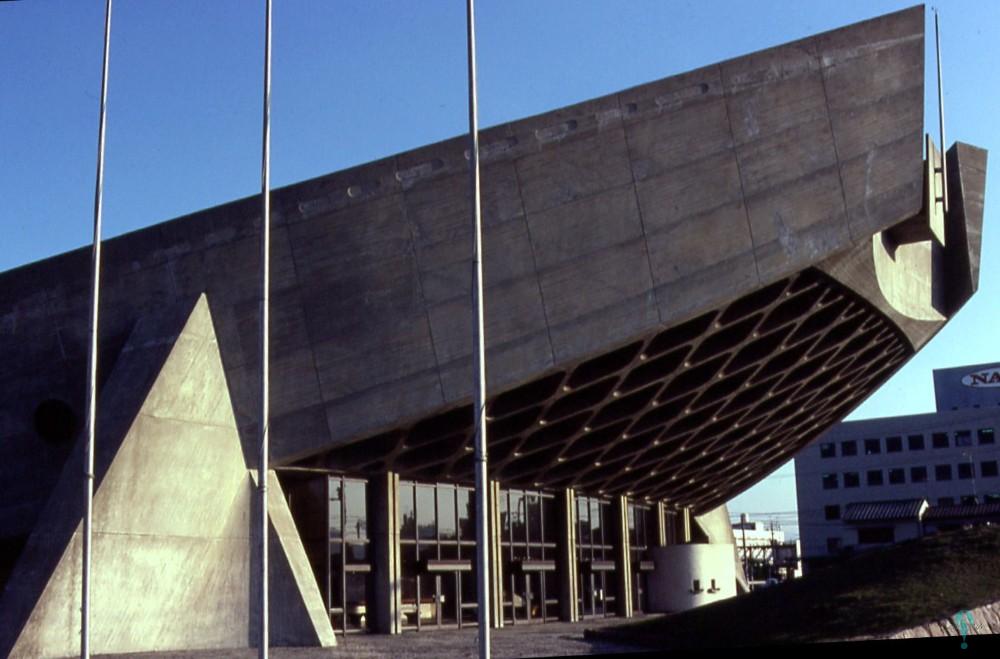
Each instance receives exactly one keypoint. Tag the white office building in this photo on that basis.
(879, 481)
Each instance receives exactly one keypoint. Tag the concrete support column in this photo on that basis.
(684, 525)
(659, 537)
(384, 515)
(496, 558)
(623, 557)
(566, 565)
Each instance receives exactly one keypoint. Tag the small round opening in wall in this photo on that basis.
(55, 421)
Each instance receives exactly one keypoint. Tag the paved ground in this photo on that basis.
(521, 641)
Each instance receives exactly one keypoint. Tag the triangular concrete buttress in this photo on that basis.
(173, 547)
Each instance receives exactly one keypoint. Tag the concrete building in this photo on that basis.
(686, 282)
(885, 480)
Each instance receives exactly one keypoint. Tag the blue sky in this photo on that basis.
(356, 80)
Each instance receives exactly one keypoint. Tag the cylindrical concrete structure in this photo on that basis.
(686, 576)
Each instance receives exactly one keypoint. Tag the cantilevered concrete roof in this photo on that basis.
(687, 281)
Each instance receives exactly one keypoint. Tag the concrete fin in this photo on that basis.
(172, 513)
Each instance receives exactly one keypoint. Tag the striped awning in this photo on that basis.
(884, 511)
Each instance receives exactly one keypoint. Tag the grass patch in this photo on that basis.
(875, 592)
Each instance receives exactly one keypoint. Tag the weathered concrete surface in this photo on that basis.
(986, 620)
(945, 275)
(171, 534)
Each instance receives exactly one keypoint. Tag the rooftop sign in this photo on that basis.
(987, 378)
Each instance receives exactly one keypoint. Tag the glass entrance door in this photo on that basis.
(595, 557)
(437, 549)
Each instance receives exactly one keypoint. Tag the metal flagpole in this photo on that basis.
(88, 470)
(944, 166)
(479, 351)
(265, 259)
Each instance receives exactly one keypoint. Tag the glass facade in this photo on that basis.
(336, 515)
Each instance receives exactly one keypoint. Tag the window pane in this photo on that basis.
(826, 450)
(549, 515)
(946, 501)
(534, 518)
(942, 472)
(964, 470)
(893, 444)
(851, 479)
(848, 448)
(518, 523)
(985, 435)
(918, 474)
(596, 528)
(988, 468)
(897, 476)
(831, 512)
(467, 514)
(872, 446)
(875, 477)
(969, 500)
(876, 535)
(426, 527)
(407, 512)
(963, 438)
(447, 527)
(829, 481)
(583, 520)
(915, 442)
(355, 524)
(336, 523)
(940, 440)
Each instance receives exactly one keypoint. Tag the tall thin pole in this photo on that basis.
(479, 349)
(944, 167)
(88, 469)
(265, 288)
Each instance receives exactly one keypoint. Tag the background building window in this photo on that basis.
(946, 501)
(918, 474)
(832, 545)
(965, 470)
(915, 442)
(875, 477)
(969, 500)
(939, 440)
(942, 473)
(851, 479)
(985, 436)
(827, 450)
(831, 512)
(963, 438)
(988, 468)
(848, 448)
(897, 476)
(876, 535)
(991, 497)
(893, 444)
(872, 446)
(829, 481)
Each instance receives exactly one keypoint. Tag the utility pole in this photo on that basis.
(743, 526)
(479, 355)
(88, 467)
(265, 303)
